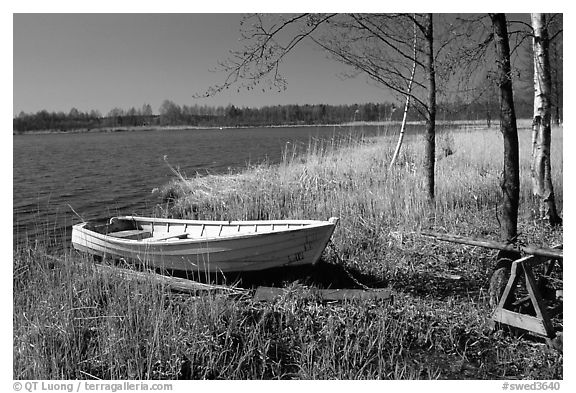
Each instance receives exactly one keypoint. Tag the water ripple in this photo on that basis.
(104, 174)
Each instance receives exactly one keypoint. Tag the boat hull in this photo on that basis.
(208, 246)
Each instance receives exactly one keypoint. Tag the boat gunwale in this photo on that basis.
(222, 222)
(310, 224)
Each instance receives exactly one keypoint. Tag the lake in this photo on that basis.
(104, 174)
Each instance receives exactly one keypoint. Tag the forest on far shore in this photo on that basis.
(172, 114)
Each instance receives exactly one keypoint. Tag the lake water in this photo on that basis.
(106, 174)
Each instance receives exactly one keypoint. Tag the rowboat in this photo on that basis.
(206, 246)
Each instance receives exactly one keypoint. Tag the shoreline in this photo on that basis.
(521, 123)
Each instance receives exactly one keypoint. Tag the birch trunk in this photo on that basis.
(406, 106)
(541, 129)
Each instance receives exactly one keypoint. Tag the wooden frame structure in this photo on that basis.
(509, 310)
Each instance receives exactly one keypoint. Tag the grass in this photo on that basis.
(73, 322)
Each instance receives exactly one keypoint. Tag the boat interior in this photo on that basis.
(121, 228)
(131, 229)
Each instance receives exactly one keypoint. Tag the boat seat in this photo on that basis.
(132, 234)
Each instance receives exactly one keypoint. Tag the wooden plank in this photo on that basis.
(327, 295)
(178, 235)
(508, 294)
(537, 301)
(173, 283)
(133, 234)
(526, 322)
(447, 276)
(532, 250)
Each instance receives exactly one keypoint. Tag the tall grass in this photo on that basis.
(379, 209)
(351, 180)
(71, 321)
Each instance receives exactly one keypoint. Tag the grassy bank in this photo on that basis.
(73, 322)
(380, 210)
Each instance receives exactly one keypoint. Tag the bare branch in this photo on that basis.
(555, 35)
(377, 32)
(520, 22)
(370, 71)
(263, 52)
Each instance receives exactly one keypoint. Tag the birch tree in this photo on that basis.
(379, 46)
(406, 105)
(475, 58)
(541, 125)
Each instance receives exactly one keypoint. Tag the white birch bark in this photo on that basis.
(406, 106)
(541, 128)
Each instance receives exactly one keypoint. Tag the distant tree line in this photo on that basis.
(172, 114)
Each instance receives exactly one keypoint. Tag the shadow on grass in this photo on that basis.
(436, 286)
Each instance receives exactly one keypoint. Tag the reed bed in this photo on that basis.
(71, 321)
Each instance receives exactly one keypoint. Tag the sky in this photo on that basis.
(103, 61)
